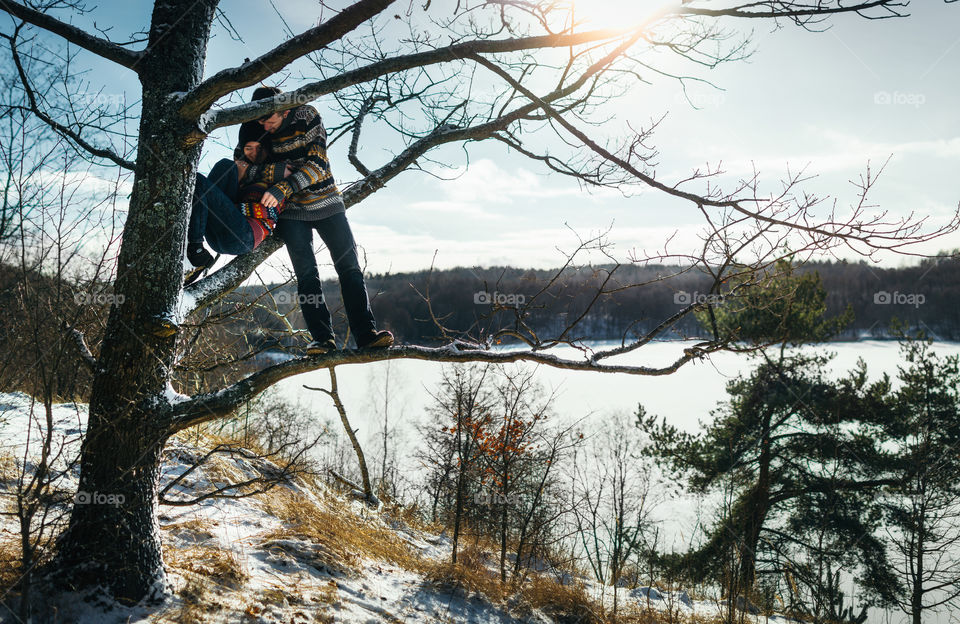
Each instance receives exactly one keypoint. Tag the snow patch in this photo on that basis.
(172, 396)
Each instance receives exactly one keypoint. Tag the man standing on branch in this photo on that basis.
(313, 202)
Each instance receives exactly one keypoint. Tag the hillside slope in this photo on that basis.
(298, 553)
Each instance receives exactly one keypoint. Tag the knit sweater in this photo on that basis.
(262, 219)
(310, 191)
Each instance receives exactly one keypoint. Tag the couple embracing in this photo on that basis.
(279, 182)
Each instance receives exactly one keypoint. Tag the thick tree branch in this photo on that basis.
(458, 51)
(208, 290)
(251, 72)
(832, 485)
(100, 47)
(211, 406)
(196, 103)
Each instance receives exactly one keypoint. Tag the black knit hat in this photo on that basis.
(262, 93)
(251, 131)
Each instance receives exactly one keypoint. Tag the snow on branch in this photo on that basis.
(211, 406)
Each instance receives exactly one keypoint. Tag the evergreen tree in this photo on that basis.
(791, 447)
(924, 510)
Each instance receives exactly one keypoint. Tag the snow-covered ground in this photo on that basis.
(239, 560)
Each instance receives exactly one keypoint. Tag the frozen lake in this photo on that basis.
(684, 398)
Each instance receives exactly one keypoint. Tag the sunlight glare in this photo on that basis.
(618, 14)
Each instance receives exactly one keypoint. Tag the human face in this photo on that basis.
(253, 152)
(272, 122)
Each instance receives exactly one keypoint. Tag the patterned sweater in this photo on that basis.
(262, 219)
(310, 191)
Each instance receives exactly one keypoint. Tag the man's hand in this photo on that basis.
(242, 167)
(269, 200)
(287, 170)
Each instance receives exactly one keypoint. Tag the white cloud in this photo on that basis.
(486, 181)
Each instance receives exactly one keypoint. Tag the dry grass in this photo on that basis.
(9, 564)
(411, 516)
(563, 603)
(9, 470)
(194, 530)
(213, 565)
(208, 573)
(337, 530)
(471, 573)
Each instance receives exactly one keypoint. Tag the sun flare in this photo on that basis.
(616, 14)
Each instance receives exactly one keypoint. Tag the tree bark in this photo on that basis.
(112, 540)
(759, 506)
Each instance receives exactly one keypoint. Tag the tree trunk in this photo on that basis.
(113, 539)
(916, 591)
(757, 507)
(461, 479)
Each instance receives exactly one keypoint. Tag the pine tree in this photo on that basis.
(791, 446)
(924, 510)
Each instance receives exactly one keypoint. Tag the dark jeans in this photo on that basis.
(215, 215)
(336, 235)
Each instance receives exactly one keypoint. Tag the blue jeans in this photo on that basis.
(215, 215)
(336, 235)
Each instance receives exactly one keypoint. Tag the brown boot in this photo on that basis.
(379, 339)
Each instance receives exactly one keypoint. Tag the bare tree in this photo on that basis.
(51, 286)
(613, 502)
(433, 81)
(365, 488)
(453, 453)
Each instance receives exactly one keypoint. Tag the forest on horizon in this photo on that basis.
(924, 297)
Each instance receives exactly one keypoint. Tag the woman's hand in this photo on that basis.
(287, 170)
(242, 167)
(269, 200)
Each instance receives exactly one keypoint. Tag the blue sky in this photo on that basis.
(831, 101)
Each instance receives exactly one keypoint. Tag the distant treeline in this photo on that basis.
(925, 297)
